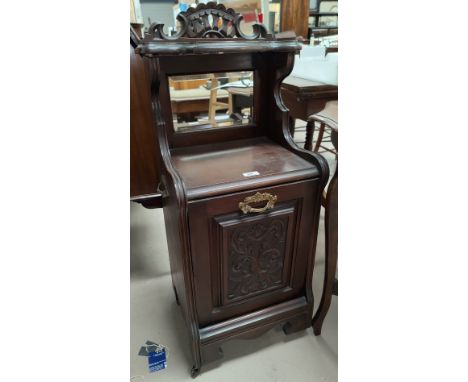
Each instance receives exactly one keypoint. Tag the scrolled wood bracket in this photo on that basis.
(208, 20)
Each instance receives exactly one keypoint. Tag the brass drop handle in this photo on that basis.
(258, 197)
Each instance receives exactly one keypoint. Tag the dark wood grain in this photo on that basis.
(213, 169)
(143, 159)
(212, 222)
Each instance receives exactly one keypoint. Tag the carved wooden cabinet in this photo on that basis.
(241, 200)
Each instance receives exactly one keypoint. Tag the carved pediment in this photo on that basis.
(209, 20)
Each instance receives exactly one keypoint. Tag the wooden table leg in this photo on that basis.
(292, 125)
(331, 252)
(310, 127)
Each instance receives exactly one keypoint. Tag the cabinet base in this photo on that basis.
(295, 315)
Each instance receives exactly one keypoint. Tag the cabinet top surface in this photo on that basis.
(231, 166)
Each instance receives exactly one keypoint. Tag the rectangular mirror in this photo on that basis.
(211, 100)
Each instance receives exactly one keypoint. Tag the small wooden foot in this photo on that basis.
(195, 371)
(296, 325)
(317, 326)
(211, 354)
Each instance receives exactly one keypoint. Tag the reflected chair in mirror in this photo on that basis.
(241, 96)
(216, 105)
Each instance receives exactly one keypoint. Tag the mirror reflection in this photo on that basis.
(211, 100)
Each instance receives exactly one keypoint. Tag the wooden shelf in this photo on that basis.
(219, 168)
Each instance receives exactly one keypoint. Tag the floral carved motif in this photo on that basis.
(256, 257)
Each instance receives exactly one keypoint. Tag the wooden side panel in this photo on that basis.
(176, 253)
(144, 176)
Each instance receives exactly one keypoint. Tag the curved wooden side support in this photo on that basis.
(285, 138)
(176, 216)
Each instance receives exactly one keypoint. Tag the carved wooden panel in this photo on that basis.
(256, 257)
(254, 254)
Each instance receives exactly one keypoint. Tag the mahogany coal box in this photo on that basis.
(241, 202)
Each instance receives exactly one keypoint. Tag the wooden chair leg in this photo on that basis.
(320, 137)
(213, 100)
(310, 127)
(292, 125)
(230, 105)
(331, 253)
(335, 287)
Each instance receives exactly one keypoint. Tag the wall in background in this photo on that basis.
(158, 10)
